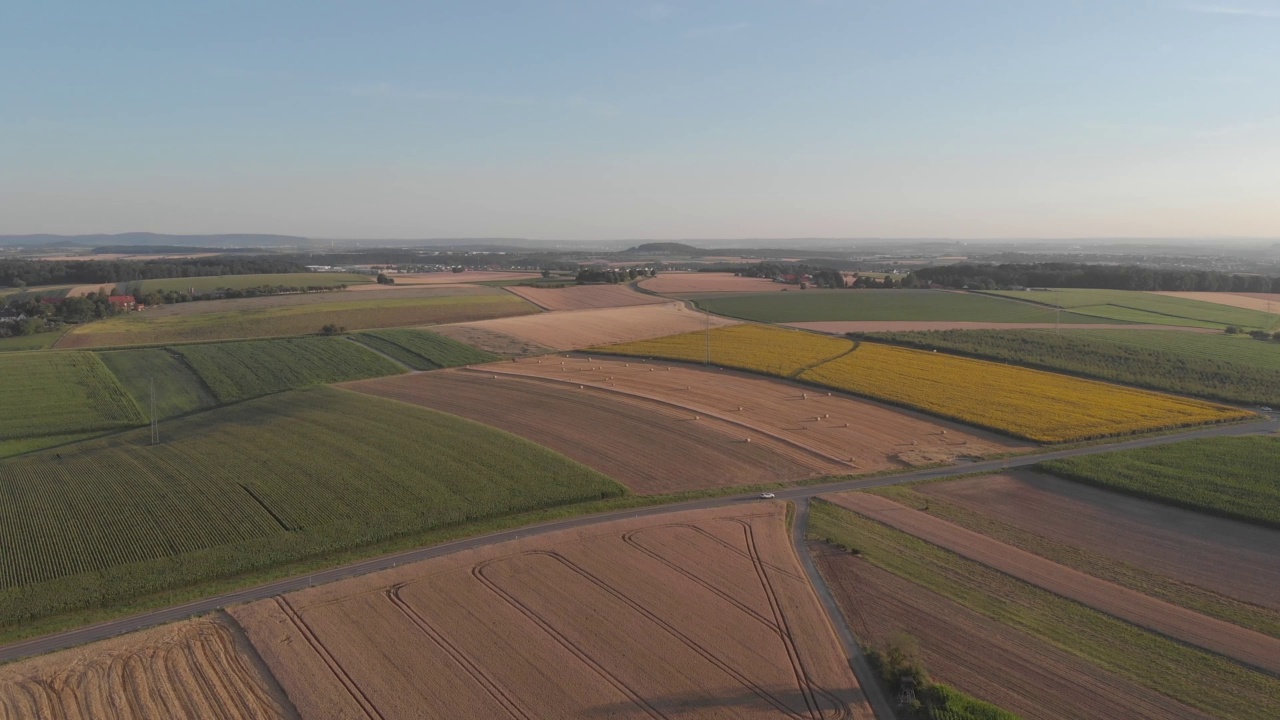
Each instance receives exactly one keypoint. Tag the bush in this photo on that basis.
(332, 329)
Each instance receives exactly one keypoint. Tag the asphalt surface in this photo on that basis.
(141, 621)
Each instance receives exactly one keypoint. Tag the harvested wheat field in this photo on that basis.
(651, 447)
(704, 614)
(200, 668)
(865, 436)
(1232, 558)
(1263, 302)
(573, 329)
(985, 658)
(700, 282)
(1247, 646)
(584, 297)
(840, 327)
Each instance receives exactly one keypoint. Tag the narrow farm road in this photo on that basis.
(101, 631)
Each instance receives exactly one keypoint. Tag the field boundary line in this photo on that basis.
(402, 366)
(868, 682)
(477, 571)
(659, 401)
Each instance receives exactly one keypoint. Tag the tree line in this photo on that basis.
(22, 273)
(1100, 277)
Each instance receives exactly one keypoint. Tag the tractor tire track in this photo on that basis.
(370, 710)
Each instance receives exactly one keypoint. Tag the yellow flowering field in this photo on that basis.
(758, 348)
(1031, 404)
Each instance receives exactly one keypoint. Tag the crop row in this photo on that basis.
(422, 350)
(239, 370)
(1039, 406)
(1212, 366)
(1231, 477)
(61, 393)
(258, 483)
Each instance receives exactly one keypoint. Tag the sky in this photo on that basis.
(604, 119)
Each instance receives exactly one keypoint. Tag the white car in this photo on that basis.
(767, 496)
(1264, 408)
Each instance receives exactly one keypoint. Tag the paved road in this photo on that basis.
(101, 631)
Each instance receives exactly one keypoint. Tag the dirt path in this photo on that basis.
(1247, 646)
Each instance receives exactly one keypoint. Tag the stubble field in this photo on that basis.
(199, 668)
(648, 446)
(584, 297)
(574, 329)
(712, 608)
(696, 282)
(867, 436)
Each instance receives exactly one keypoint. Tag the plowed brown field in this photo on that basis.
(1263, 302)
(1228, 557)
(584, 297)
(194, 669)
(1248, 646)
(651, 447)
(695, 615)
(697, 282)
(867, 436)
(575, 329)
(980, 656)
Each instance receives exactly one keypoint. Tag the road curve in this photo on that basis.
(141, 621)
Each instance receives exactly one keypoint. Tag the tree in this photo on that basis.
(332, 329)
(1233, 330)
(1259, 335)
(546, 273)
(384, 280)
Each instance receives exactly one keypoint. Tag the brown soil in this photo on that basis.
(584, 297)
(699, 282)
(574, 329)
(840, 327)
(980, 656)
(696, 615)
(191, 669)
(1227, 557)
(650, 447)
(1247, 646)
(860, 435)
(1262, 302)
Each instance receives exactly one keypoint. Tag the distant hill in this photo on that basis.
(666, 248)
(135, 239)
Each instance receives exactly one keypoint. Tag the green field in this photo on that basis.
(239, 282)
(288, 315)
(1194, 677)
(1238, 477)
(178, 389)
(61, 393)
(1214, 366)
(422, 350)
(240, 370)
(18, 446)
(252, 486)
(1143, 307)
(843, 305)
(39, 341)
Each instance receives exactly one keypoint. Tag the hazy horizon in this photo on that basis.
(978, 120)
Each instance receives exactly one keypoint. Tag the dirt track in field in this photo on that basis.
(696, 282)
(649, 447)
(584, 297)
(697, 615)
(1248, 646)
(574, 329)
(1225, 556)
(868, 436)
(840, 327)
(193, 669)
(980, 656)
(1262, 302)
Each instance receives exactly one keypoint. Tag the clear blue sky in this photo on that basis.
(601, 119)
